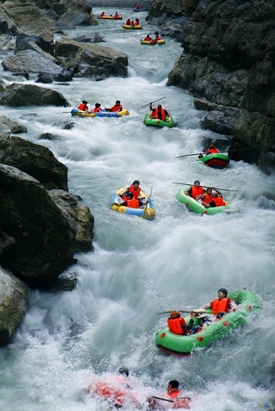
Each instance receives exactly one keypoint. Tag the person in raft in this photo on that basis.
(97, 108)
(157, 36)
(134, 188)
(102, 14)
(196, 190)
(158, 112)
(211, 150)
(83, 106)
(128, 22)
(137, 22)
(116, 107)
(177, 324)
(172, 395)
(221, 305)
(210, 199)
(128, 200)
(148, 38)
(116, 15)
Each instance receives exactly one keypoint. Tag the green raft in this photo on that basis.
(196, 206)
(168, 122)
(184, 344)
(215, 160)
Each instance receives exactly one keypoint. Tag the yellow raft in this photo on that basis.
(129, 27)
(146, 212)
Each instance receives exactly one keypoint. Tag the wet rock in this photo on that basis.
(35, 160)
(16, 95)
(15, 128)
(14, 301)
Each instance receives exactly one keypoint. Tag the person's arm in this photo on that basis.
(151, 108)
(217, 191)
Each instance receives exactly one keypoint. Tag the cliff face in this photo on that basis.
(228, 60)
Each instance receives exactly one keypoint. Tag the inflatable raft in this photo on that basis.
(172, 343)
(196, 206)
(129, 27)
(215, 160)
(81, 113)
(152, 42)
(110, 17)
(137, 9)
(149, 121)
(146, 212)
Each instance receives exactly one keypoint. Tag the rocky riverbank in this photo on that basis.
(228, 64)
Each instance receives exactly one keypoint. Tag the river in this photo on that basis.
(138, 267)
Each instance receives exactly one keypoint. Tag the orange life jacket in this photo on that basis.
(196, 191)
(207, 198)
(155, 113)
(211, 150)
(218, 201)
(174, 394)
(134, 203)
(83, 107)
(220, 306)
(117, 108)
(135, 192)
(174, 325)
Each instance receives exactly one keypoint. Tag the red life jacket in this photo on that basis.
(117, 108)
(147, 38)
(135, 192)
(207, 198)
(211, 150)
(83, 107)
(220, 306)
(134, 203)
(157, 38)
(218, 201)
(136, 23)
(97, 110)
(196, 191)
(174, 325)
(155, 114)
(128, 22)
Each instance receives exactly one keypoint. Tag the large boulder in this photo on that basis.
(15, 127)
(42, 239)
(16, 95)
(13, 305)
(34, 60)
(90, 60)
(35, 160)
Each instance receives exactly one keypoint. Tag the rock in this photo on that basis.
(89, 38)
(33, 61)
(43, 238)
(65, 282)
(16, 95)
(90, 60)
(14, 300)
(14, 127)
(35, 160)
(79, 218)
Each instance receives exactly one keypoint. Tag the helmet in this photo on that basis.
(136, 182)
(97, 104)
(129, 194)
(124, 371)
(223, 290)
(85, 102)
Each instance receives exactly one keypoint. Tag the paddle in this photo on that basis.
(218, 188)
(148, 198)
(187, 155)
(195, 311)
(153, 102)
(177, 398)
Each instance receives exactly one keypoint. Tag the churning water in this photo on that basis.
(140, 267)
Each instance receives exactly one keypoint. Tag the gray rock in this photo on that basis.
(14, 300)
(35, 160)
(15, 128)
(16, 95)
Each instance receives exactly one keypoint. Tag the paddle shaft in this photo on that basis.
(162, 399)
(196, 311)
(218, 188)
(196, 154)
(153, 102)
(148, 198)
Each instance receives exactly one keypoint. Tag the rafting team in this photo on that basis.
(97, 109)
